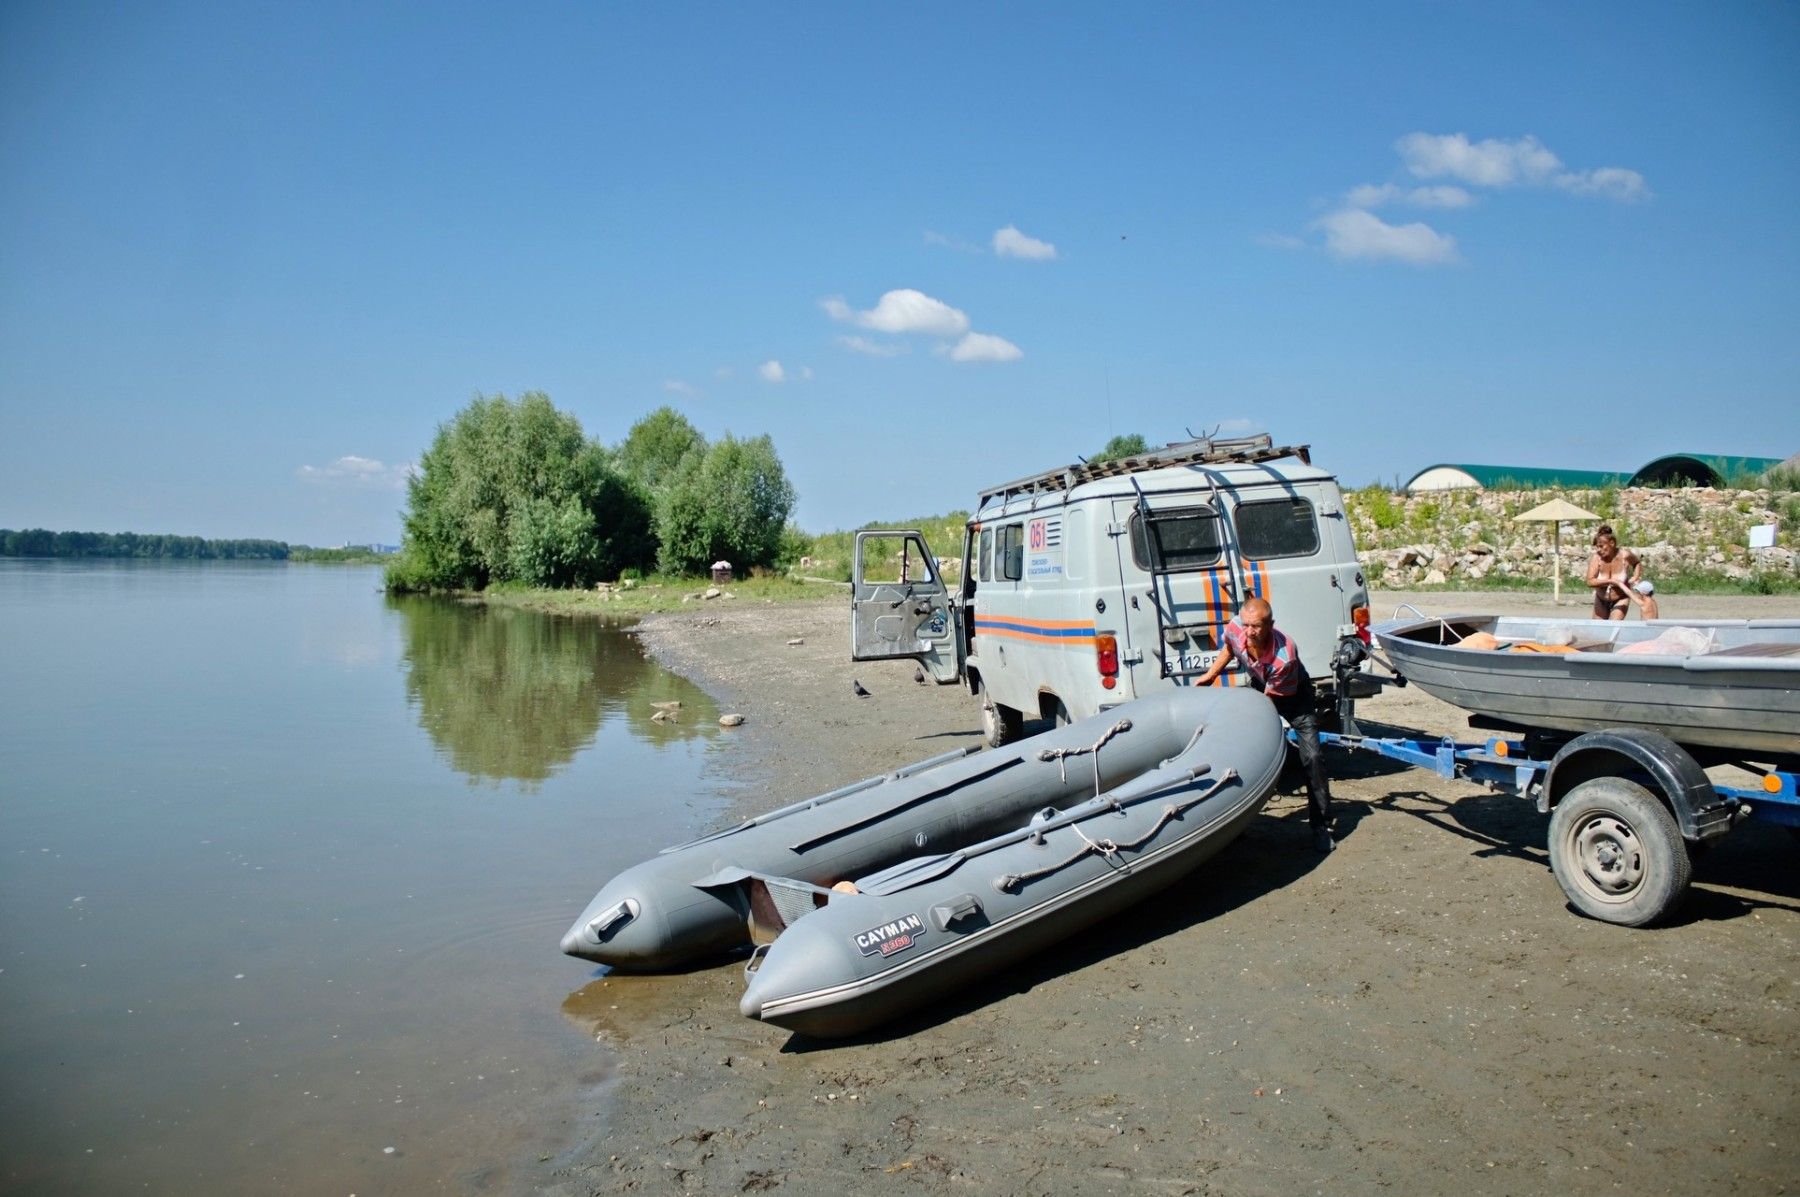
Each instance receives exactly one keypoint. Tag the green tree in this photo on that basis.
(516, 492)
(655, 446)
(729, 503)
(1125, 445)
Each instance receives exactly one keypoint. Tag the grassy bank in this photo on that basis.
(1693, 542)
(632, 599)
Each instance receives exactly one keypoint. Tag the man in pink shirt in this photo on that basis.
(1272, 661)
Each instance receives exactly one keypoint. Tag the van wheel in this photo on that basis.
(999, 724)
(1617, 852)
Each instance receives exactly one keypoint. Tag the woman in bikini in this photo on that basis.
(1614, 573)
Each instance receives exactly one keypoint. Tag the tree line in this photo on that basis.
(37, 542)
(515, 492)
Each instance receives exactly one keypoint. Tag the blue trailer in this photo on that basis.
(1628, 807)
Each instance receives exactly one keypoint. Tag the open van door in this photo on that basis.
(900, 607)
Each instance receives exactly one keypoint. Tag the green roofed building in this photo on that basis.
(1694, 469)
(1676, 469)
(1492, 477)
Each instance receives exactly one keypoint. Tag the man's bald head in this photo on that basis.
(1257, 609)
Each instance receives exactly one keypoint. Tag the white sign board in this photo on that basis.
(1762, 536)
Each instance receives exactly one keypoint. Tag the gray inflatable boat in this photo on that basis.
(883, 895)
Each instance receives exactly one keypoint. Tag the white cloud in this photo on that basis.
(1371, 196)
(723, 372)
(1354, 233)
(1610, 182)
(1494, 163)
(872, 348)
(984, 347)
(1490, 163)
(358, 472)
(771, 371)
(902, 311)
(676, 386)
(1009, 242)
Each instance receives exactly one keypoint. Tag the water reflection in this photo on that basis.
(509, 695)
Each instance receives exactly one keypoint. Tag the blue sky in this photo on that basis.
(251, 255)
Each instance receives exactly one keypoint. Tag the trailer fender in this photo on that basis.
(1673, 775)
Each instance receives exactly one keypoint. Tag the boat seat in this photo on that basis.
(1767, 649)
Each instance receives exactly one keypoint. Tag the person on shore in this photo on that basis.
(1273, 663)
(1617, 577)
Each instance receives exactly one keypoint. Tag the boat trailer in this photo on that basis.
(1624, 806)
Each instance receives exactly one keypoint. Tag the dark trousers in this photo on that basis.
(1300, 709)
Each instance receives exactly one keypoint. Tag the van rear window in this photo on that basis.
(1185, 538)
(1277, 528)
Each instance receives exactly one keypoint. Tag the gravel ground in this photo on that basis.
(1418, 1011)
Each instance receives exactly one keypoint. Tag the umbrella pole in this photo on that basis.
(1556, 557)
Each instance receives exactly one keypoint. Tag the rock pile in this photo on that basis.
(1432, 539)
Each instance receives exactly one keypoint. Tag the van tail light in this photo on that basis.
(1360, 617)
(1106, 660)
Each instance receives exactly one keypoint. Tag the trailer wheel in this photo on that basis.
(1617, 852)
(1000, 725)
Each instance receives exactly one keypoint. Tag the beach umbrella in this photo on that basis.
(1554, 513)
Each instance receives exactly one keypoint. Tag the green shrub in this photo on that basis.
(729, 503)
(1379, 504)
(516, 492)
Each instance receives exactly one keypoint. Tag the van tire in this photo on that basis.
(1000, 725)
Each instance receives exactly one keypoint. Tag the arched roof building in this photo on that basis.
(1692, 469)
(1675, 469)
(1445, 476)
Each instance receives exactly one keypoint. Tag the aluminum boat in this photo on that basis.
(1726, 686)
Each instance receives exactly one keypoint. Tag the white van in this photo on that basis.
(1087, 586)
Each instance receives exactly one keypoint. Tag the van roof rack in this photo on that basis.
(1240, 450)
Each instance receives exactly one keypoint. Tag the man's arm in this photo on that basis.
(1211, 673)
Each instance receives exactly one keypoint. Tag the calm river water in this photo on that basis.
(283, 867)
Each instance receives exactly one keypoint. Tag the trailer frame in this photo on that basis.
(1628, 807)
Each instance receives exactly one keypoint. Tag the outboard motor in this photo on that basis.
(1351, 653)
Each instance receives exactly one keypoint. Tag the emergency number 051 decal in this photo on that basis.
(1044, 548)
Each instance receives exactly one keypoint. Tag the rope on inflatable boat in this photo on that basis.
(1008, 882)
(1061, 755)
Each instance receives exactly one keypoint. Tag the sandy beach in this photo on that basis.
(1418, 1011)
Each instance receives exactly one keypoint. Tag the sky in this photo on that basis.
(253, 255)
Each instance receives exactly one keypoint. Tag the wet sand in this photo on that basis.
(1418, 1011)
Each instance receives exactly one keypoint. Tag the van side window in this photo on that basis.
(1011, 554)
(987, 554)
(1184, 538)
(1277, 528)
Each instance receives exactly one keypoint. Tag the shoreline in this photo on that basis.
(1415, 1011)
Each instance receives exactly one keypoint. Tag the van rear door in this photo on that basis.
(1181, 583)
(900, 607)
